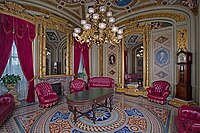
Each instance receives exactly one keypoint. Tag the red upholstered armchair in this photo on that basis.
(77, 85)
(188, 119)
(46, 96)
(159, 91)
(6, 106)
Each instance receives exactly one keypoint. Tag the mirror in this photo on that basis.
(55, 52)
(133, 56)
(54, 45)
(134, 53)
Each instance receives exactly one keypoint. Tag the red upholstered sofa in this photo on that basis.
(188, 119)
(104, 82)
(159, 91)
(46, 96)
(6, 106)
(132, 77)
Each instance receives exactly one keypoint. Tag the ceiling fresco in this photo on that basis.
(121, 2)
(74, 10)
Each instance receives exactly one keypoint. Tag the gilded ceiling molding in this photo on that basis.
(134, 27)
(50, 21)
(132, 9)
(16, 10)
(73, 5)
(33, 8)
(54, 22)
(41, 10)
(176, 16)
(182, 39)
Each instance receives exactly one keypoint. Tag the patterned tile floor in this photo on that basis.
(129, 115)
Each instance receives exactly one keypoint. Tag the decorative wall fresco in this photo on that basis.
(162, 55)
(112, 62)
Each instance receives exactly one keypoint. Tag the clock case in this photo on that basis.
(184, 88)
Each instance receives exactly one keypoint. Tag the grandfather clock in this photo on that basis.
(184, 88)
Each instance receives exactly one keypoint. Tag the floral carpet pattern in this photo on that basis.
(129, 115)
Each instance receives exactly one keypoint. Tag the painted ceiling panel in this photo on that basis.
(74, 10)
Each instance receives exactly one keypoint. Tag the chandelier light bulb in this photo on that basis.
(102, 8)
(120, 31)
(77, 30)
(87, 15)
(75, 35)
(87, 26)
(95, 16)
(111, 19)
(102, 26)
(109, 14)
(114, 29)
(91, 10)
(98, 27)
(83, 22)
(119, 37)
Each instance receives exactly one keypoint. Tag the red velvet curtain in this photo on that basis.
(85, 53)
(25, 33)
(77, 55)
(6, 40)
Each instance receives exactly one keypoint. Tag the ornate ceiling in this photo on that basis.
(75, 10)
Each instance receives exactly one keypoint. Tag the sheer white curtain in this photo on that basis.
(13, 67)
(80, 70)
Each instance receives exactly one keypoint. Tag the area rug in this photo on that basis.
(129, 115)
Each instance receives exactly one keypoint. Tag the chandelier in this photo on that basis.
(98, 27)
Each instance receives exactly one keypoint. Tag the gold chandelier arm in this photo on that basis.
(98, 27)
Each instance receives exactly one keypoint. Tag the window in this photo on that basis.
(81, 65)
(13, 67)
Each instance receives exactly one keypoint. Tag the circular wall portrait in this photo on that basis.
(112, 59)
(162, 57)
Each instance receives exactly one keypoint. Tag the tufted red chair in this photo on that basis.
(159, 91)
(47, 97)
(77, 85)
(188, 119)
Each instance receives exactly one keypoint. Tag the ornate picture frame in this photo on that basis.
(112, 59)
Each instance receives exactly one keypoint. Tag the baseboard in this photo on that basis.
(179, 102)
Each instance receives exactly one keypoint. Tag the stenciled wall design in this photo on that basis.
(112, 61)
(162, 56)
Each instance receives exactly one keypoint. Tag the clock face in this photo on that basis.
(182, 57)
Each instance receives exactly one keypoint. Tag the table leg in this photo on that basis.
(94, 111)
(110, 99)
(74, 112)
(106, 102)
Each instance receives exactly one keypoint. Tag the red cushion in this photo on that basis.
(6, 106)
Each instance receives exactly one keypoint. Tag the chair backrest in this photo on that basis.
(161, 86)
(77, 85)
(44, 89)
(106, 82)
(189, 112)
